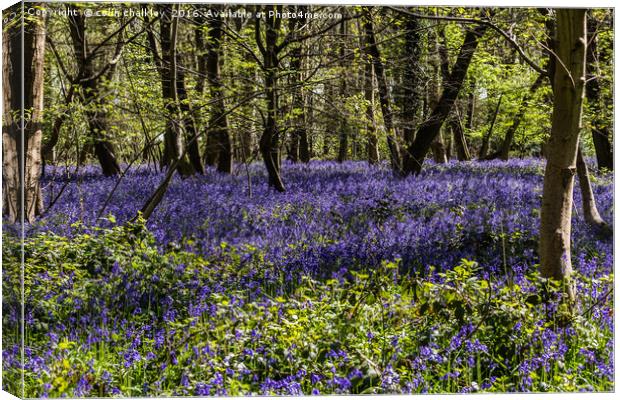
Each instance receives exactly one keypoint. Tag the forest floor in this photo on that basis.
(353, 281)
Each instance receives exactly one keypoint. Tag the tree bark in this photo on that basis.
(557, 202)
(23, 48)
(372, 51)
(429, 130)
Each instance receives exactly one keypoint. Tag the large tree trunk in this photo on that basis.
(412, 81)
(22, 67)
(557, 202)
(90, 82)
(219, 146)
(600, 128)
(270, 140)
(429, 130)
(372, 51)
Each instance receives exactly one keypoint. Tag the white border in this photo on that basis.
(462, 3)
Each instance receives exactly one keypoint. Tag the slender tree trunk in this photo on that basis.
(557, 202)
(22, 64)
(471, 105)
(193, 146)
(460, 142)
(299, 136)
(269, 141)
(600, 128)
(304, 144)
(219, 144)
(343, 147)
(484, 149)
(173, 137)
(372, 51)
(429, 130)
(590, 211)
(90, 82)
(371, 128)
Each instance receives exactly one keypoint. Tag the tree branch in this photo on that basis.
(478, 21)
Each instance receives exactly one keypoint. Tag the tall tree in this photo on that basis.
(428, 131)
(23, 54)
(557, 201)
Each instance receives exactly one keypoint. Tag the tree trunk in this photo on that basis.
(299, 136)
(590, 211)
(557, 201)
(343, 146)
(471, 105)
(219, 146)
(305, 149)
(484, 149)
(90, 82)
(23, 48)
(460, 143)
(269, 141)
(600, 128)
(173, 137)
(372, 51)
(412, 81)
(371, 128)
(193, 146)
(430, 129)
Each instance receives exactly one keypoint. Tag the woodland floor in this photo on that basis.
(353, 281)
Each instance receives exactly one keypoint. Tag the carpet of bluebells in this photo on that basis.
(353, 281)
